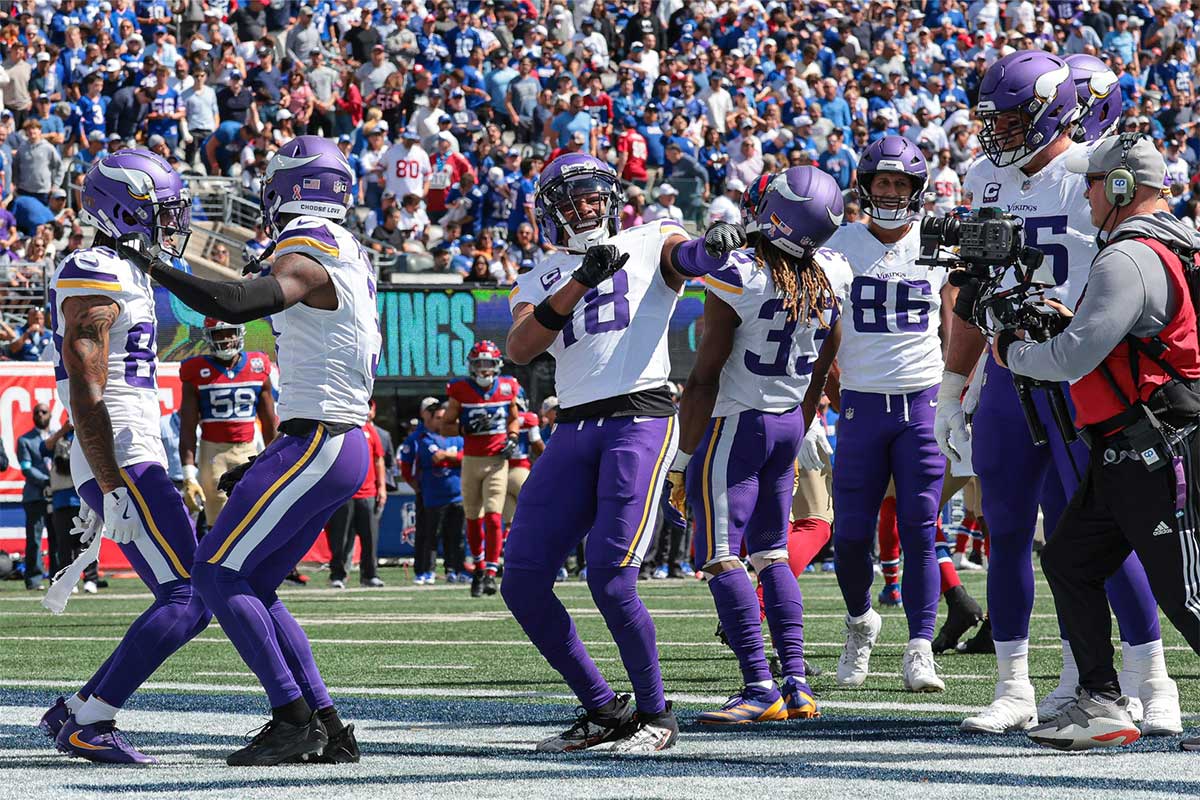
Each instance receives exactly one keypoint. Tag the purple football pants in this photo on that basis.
(600, 478)
(162, 557)
(273, 516)
(882, 437)
(1015, 478)
(739, 485)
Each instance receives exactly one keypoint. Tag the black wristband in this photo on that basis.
(548, 318)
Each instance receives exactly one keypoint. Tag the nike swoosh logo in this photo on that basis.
(933, 403)
(637, 420)
(75, 740)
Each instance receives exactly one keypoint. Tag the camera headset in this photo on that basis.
(1120, 185)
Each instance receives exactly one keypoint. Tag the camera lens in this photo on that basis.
(943, 230)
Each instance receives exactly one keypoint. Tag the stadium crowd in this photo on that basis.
(448, 111)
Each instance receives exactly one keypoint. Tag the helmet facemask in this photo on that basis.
(225, 341)
(484, 370)
(1005, 137)
(890, 211)
(173, 225)
(584, 207)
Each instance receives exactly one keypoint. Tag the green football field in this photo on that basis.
(449, 698)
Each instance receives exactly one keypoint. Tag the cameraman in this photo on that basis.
(1131, 354)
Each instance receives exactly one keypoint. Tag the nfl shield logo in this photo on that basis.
(849, 413)
(505, 389)
(340, 186)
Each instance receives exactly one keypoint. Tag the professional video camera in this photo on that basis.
(981, 250)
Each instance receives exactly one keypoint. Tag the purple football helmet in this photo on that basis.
(566, 181)
(800, 210)
(308, 175)
(1031, 92)
(892, 154)
(1098, 95)
(752, 200)
(138, 192)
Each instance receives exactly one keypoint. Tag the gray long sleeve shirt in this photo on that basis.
(36, 167)
(1127, 292)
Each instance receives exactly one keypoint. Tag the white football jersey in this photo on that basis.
(1058, 220)
(131, 393)
(771, 363)
(616, 341)
(890, 323)
(327, 359)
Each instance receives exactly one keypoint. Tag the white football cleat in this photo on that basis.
(856, 654)
(1091, 721)
(1053, 704)
(964, 564)
(918, 670)
(1160, 708)
(1012, 710)
(1130, 680)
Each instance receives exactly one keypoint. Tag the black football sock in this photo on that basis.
(330, 719)
(296, 712)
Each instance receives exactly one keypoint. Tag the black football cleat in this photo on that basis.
(489, 584)
(280, 742)
(981, 642)
(341, 749)
(296, 578)
(811, 670)
(962, 614)
(477, 584)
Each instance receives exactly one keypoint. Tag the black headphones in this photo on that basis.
(1120, 185)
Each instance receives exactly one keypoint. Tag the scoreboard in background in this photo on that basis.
(427, 332)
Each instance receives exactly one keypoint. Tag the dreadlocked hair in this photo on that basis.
(803, 285)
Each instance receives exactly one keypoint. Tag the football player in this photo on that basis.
(223, 393)
(889, 364)
(1099, 97)
(320, 293)
(106, 365)
(770, 332)
(485, 407)
(1028, 103)
(602, 306)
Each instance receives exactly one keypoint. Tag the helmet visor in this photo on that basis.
(582, 202)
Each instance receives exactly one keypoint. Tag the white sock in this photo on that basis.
(862, 618)
(763, 684)
(95, 710)
(1012, 658)
(1146, 660)
(75, 702)
(1069, 677)
(920, 646)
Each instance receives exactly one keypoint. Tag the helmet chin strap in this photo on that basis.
(580, 242)
(892, 224)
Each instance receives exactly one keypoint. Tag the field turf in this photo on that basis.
(448, 699)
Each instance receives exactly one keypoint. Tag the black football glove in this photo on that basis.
(968, 291)
(510, 446)
(722, 238)
(600, 262)
(232, 476)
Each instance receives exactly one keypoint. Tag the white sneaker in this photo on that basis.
(644, 736)
(918, 670)
(1053, 704)
(75, 589)
(1160, 707)
(90, 587)
(337, 584)
(856, 654)
(1012, 710)
(964, 564)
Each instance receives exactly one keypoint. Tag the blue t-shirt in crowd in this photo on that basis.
(440, 485)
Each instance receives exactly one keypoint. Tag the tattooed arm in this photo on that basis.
(85, 357)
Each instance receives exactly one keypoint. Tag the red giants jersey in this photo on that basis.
(228, 395)
(484, 414)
